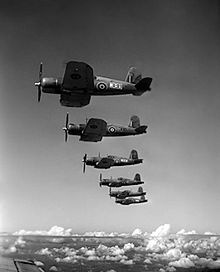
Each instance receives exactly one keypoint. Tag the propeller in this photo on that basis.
(84, 163)
(38, 84)
(110, 192)
(66, 127)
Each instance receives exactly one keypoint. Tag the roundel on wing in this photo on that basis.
(75, 76)
(102, 86)
(111, 129)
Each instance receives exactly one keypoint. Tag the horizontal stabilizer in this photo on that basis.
(141, 129)
(144, 84)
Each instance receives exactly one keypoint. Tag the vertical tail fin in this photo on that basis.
(134, 121)
(142, 198)
(137, 177)
(133, 154)
(133, 76)
(140, 189)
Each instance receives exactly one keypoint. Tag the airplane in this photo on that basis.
(95, 129)
(126, 193)
(131, 200)
(111, 160)
(119, 182)
(79, 84)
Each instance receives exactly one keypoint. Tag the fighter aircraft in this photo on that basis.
(126, 193)
(131, 200)
(111, 160)
(119, 182)
(79, 84)
(95, 129)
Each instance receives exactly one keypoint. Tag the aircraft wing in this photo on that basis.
(94, 130)
(74, 99)
(78, 76)
(105, 163)
(26, 266)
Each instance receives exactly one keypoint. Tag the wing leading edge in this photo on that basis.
(94, 130)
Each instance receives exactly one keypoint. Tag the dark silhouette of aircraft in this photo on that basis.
(79, 84)
(131, 200)
(111, 160)
(95, 129)
(119, 182)
(126, 193)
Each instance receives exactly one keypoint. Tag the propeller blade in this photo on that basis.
(66, 127)
(66, 135)
(38, 84)
(67, 120)
(39, 93)
(40, 71)
(84, 163)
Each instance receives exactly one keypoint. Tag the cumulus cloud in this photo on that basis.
(173, 254)
(184, 232)
(53, 231)
(127, 262)
(183, 262)
(173, 251)
(137, 232)
(20, 242)
(161, 231)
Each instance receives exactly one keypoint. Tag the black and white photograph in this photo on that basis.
(109, 143)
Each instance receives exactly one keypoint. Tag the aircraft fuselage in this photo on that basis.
(114, 162)
(117, 183)
(111, 130)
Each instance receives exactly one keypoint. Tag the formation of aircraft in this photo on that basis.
(79, 83)
(75, 88)
(126, 193)
(119, 182)
(111, 160)
(96, 128)
(125, 197)
(131, 200)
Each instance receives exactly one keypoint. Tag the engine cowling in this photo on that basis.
(51, 85)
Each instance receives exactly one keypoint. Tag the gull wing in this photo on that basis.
(105, 163)
(78, 76)
(94, 130)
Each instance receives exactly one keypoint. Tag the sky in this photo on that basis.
(174, 42)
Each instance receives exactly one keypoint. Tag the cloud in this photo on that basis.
(173, 254)
(182, 231)
(161, 231)
(127, 262)
(128, 246)
(53, 231)
(183, 262)
(137, 232)
(20, 242)
(170, 269)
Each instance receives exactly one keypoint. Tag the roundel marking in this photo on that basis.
(75, 76)
(102, 86)
(111, 129)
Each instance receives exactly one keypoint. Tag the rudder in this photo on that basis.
(133, 76)
(133, 154)
(137, 177)
(140, 190)
(134, 121)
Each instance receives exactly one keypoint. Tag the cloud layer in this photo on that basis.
(184, 249)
